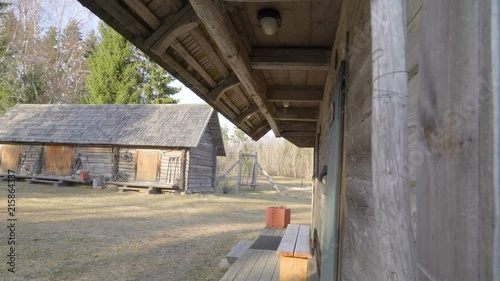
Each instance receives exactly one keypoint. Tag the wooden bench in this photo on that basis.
(294, 251)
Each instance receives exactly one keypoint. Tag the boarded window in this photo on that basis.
(10, 157)
(58, 160)
(173, 170)
(147, 165)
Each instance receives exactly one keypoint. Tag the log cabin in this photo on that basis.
(161, 146)
(400, 100)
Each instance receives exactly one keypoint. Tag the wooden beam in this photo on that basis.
(179, 23)
(124, 17)
(391, 191)
(144, 12)
(209, 51)
(228, 83)
(297, 114)
(220, 28)
(457, 188)
(298, 126)
(286, 134)
(295, 93)
(192, 61)
(260, 132)
(185, 73)
(246, 113)
(291, 58)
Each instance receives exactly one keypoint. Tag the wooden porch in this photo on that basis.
(261, 265)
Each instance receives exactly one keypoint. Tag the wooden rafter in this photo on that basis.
(209, 51)
(297, 114)
(179, 23)
(260, 131)
(295, 93)
(291, 58)
(193, 62)
(213, 15)
(298, 126)
(115, 9)
(144, 13)
(228, 83)
(246, 113)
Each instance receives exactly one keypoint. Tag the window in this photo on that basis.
(173, 170)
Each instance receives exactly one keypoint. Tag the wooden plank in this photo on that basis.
(297, 114)
(246, 113)
(192, 62)
(258, 268)
(10, 157)
(236, 267)
(147, 162)
(185, 73)
(168, 23)
(209, 51)
(295, 93)
(293, 269)
(287, 245)
(390, 140)
(269, 267)
(144, 12)
(249, 265)
(219, 26)
(456, 124)
(116, 10)
(227, 84)
(186, 23)
(303, 247)
(59, 160)
(291, 58)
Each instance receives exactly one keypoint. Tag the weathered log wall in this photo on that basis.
(95, 159)
(359, 259)
(202, 165)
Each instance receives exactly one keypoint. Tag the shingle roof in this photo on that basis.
(136, 125)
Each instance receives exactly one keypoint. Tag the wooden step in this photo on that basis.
(54, 182)
(149, 190)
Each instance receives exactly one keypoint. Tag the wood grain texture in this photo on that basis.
(218, 25)
(455, 181)
(390, 140)
(287, 245)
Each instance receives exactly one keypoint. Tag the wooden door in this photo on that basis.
(147, 165)
(330, 229)
(58, 160)
(10, 157)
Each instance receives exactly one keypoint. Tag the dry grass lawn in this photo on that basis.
(76, 233)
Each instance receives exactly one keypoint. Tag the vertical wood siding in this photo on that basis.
(97, 160)
(31, 155)
(359, 240)
(58, 160)
(147, 164)
(10, 157)
(201, 165)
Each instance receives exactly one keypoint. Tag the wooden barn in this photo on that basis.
(400, 100)
(156, 146)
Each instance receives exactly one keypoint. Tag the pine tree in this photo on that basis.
(122, 74)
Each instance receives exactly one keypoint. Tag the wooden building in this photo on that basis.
(170, 146)
(400, 100)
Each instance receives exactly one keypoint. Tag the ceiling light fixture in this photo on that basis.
(270, 20)
(286, 104)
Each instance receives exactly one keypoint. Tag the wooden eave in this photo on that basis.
(216, 48)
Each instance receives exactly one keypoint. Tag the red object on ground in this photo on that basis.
(277, 217)
(84, 175)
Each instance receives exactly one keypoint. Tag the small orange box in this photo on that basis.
(277, 217)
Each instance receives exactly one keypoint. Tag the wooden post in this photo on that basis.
(214, 174)
(182, 184)
(458, 104)
(391, 192)
(495, 31)
(116, 160)
(268, 177)
(238, 180)
(254, 176)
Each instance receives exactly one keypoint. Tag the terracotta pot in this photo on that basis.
(277, 217)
